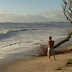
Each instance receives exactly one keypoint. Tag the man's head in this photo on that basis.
(50, 38)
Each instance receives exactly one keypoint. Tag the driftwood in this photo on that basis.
(63, 41)
(43, 48)
(67, 10)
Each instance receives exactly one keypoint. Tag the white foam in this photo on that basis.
(25, 41)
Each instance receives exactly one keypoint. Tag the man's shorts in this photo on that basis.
(50, 51)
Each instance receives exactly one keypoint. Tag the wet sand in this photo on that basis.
(40, 64)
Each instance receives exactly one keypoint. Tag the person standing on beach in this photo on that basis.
(50, 48)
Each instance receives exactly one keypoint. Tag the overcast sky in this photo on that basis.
(27, 11)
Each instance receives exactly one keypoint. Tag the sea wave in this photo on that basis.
(12, 30)
(9, 33)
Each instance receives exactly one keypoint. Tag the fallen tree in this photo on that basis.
(67, 10)
(42, 50)
(65, 40)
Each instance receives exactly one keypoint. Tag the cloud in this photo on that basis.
(43, 17)
(25, 9)
(54, 15)
(3, 11)
(34, 4)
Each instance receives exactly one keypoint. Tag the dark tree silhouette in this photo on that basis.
(63, 41)
(67, 10)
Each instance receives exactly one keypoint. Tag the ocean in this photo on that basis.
(18, 40)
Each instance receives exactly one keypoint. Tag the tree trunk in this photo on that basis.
(63, 41)
(44, 47)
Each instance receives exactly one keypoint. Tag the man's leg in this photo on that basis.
(54, 55)
(48, 53)
(49, 58)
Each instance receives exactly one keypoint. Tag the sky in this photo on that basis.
(28, 11)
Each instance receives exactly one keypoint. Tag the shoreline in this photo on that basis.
(40, 63)
(18, 56)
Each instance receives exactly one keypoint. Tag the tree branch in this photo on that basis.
(63, 41)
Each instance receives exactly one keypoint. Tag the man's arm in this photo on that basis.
(53, 42)
(48, 43)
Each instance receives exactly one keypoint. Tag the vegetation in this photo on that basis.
(69, 62)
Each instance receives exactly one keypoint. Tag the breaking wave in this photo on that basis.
(9, 33)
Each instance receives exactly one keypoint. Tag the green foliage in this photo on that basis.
(69, 63)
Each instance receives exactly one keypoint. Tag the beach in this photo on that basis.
(40, 64)
(18, 40)
(30, 31)
(19, 50)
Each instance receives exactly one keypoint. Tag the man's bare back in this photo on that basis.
(50, 44)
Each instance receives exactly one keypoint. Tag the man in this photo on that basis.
(50, 48)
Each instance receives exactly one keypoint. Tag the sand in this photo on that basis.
(40, 64)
